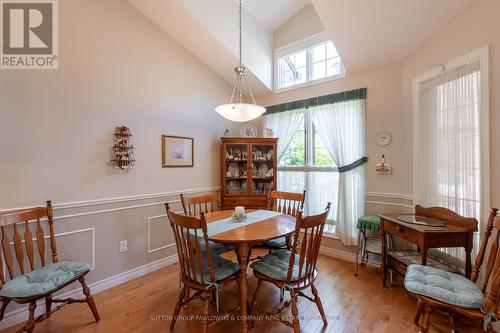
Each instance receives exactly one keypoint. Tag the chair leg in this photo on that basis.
(453, 324)
(2, 309)
(255, 295)
(418, 313)
(30, 324)
(89, 299)
(187, 294)
(424, 326)
(295, 312)
(178, 307)
(317, 300)
(48, 306)
(204, 321)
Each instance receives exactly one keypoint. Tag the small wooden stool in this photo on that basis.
(367, 244)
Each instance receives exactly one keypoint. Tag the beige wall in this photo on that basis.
(56, 133)
(302, 25)
(116, 68)
(476, 26)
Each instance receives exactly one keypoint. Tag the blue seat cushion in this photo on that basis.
(275, 243)
(223, 268)
(275, 265)
(447, 287)
(43, 280)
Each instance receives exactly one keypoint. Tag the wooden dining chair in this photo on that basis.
(455, 295)
(32, 284)
(289, 203)
(206, 203)
(293, 270)
(201, 271)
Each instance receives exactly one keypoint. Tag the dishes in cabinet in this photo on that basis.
(237, 154)
(262, 172)
(244, 186)
(233, 186)
(233, 169)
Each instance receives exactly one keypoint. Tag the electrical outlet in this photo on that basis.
(123, 246)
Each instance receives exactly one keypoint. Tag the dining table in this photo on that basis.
(258, 227)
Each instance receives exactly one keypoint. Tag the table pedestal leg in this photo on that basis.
(243, 250)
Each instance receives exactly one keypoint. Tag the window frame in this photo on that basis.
(309, 151)
(304, 44)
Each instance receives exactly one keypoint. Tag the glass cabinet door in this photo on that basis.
(236, 168)
(262, 170)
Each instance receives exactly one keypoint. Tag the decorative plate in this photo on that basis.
(248, 131)
(263, 169)
(234, 169)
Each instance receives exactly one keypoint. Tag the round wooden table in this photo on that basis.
(243, 239)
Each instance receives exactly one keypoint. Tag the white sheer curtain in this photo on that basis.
(449, 136)
(341, 127)
(284, 125)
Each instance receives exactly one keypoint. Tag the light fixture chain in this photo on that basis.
(241, 58)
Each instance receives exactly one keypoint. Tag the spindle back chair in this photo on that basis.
(10, 224)
(206, 203)
(289, 203)
(197, 268)
(302, 271)
(490, 283)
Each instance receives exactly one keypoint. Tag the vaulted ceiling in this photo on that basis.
(273, 13)
(367, 34)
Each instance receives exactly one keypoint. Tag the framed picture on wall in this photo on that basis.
(177, 151)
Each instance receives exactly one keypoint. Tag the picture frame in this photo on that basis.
(177, 151)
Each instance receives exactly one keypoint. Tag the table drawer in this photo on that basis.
(401, 231)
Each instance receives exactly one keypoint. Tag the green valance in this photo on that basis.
(319, 100)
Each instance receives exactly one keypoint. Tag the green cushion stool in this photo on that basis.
(369, 222)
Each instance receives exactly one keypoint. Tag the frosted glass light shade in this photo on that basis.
(240, 112)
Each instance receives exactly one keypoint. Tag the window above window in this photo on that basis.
(309, 61)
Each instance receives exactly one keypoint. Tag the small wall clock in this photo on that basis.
(384, 138)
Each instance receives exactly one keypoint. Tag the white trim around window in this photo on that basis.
(481, 54)
(299, 45)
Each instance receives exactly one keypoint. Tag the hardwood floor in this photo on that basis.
(353, 304)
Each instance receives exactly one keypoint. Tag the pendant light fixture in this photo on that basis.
(237, 110)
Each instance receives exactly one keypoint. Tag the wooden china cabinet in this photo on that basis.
(248, 171)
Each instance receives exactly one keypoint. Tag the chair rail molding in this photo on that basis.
(112, 200)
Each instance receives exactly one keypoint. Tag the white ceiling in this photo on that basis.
(273, 13)
(368, 34)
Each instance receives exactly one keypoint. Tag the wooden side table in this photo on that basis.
(457, 232)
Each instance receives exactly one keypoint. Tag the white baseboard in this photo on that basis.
(339, 254)
(21, 315)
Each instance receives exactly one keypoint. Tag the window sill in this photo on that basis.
(312, 82)
(328, 234)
